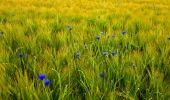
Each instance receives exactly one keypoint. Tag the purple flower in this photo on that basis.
(102, 75)
(101, 32)
(104, 53)
(113, 35)
(113, 53)
(21, 54)
(98, 37)
(2, 33)
(78, 54)
(168, 38)
(46, 82)
(123, 32)
(41, 76)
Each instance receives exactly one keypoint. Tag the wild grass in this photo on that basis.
(50, 33)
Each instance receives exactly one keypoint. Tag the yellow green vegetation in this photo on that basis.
(85, 49)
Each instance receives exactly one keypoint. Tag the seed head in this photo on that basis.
(69, 27)
(108, 36)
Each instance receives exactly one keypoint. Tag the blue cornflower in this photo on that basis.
(123, 32)
(168, 38)
(78, 54)
(98, 37)
(2, 33)
(21, 54)
(101, 32)
(113, 53)
(41, 76)
(102, 75)
(69, 27)
(104, 53)
(46, 82)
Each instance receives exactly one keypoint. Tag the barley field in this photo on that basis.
(84, 49)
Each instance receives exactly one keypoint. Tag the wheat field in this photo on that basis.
(84, 49)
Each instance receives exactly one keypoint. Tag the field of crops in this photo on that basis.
(84, 49)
